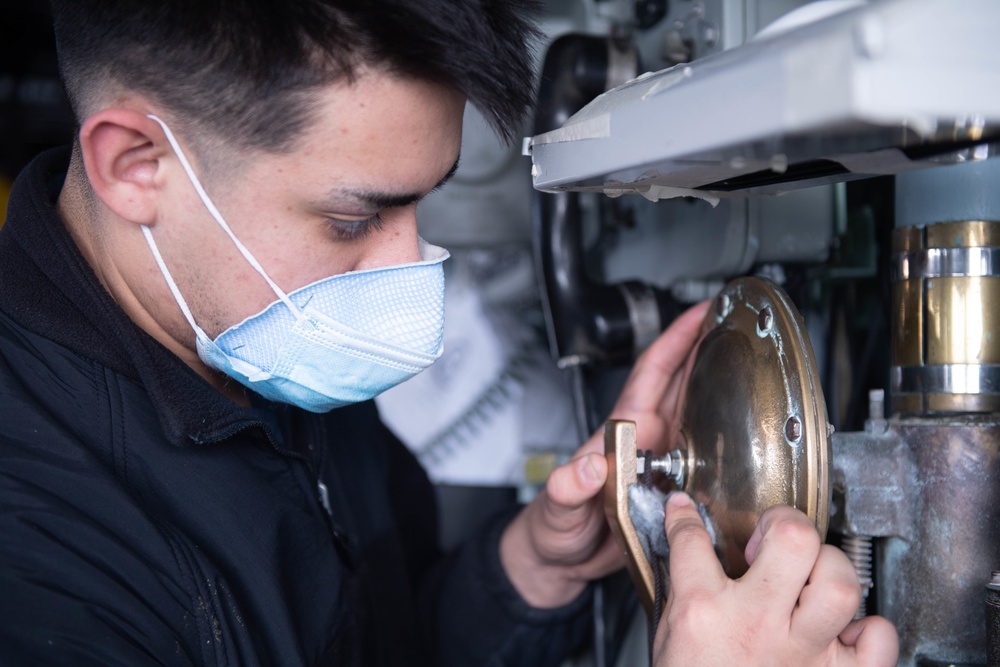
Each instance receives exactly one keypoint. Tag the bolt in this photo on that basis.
(876, 422)
(671, 464)
(995, 578)
(765, 320)
(793, 429)
(876, 404)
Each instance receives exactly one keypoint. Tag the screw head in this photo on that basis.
(793, 429)
(765, 320)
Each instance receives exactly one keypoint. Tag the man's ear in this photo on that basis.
(123, 152)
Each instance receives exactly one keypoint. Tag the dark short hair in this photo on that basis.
(245, 70)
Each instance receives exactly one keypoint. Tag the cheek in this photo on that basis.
(293, 248)
(221, 288)
(295, 260)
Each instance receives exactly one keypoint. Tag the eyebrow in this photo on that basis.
(381, 200)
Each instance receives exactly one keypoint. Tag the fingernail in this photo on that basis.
(588, 473)
(679, 499)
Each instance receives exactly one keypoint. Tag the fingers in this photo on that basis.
(875, 641)
(571, 487)
(573, 528)
(657, 366)
(694, 568)
(655, 376)
(781, 552)
(791, 608)
(829, 601)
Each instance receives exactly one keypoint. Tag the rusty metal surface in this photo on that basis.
(754, 422)
(993, 619)
(873, 476)
(930, 579)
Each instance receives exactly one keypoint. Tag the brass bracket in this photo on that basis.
(621, 447)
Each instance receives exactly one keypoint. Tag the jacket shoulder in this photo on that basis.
(75, 558)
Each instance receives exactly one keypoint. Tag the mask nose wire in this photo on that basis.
(207, 201)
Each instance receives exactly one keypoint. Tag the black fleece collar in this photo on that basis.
(47, 287)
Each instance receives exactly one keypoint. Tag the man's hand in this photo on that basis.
(792, 608)
(560, 542)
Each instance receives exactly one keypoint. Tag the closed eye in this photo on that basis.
(354, 230)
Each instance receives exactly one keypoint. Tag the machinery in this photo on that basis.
(905, 93)
(823, 171)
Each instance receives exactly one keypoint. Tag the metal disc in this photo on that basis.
(753, 421)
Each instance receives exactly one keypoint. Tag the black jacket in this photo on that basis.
(146, 519)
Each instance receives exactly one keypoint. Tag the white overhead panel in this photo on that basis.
(874, 89)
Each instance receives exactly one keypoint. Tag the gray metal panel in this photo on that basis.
(856, 89)
(969, 191)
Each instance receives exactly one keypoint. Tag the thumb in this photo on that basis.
(571, 487)
(875, 640)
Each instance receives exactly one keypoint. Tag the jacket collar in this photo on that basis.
(49, 288)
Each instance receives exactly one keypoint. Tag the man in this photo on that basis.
(198, 302)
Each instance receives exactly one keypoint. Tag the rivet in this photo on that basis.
(793, 429)
(765, 320)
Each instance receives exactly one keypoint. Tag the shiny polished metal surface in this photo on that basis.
(963, 322)
(908, 328)
(753, 421)
(946, 332)
(948, 379)
(937, 262)
(753, 430)
(972, 233)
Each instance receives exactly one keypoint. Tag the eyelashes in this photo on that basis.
(353, 230)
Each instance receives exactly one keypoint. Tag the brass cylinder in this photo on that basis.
(946, 331)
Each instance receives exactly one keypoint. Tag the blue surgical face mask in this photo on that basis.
(337, 341)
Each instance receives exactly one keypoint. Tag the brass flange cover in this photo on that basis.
(754, 423)
(753, 428)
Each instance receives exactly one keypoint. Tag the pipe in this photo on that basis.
(587, 321)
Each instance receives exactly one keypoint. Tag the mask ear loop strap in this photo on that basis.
(170, 281)
(222, 223)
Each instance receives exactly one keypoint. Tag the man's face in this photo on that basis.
(344, 199)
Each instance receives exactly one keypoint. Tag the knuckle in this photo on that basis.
(842, 595)
(701, 617)
(694, 616)
(685, 532)
(795, 534)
